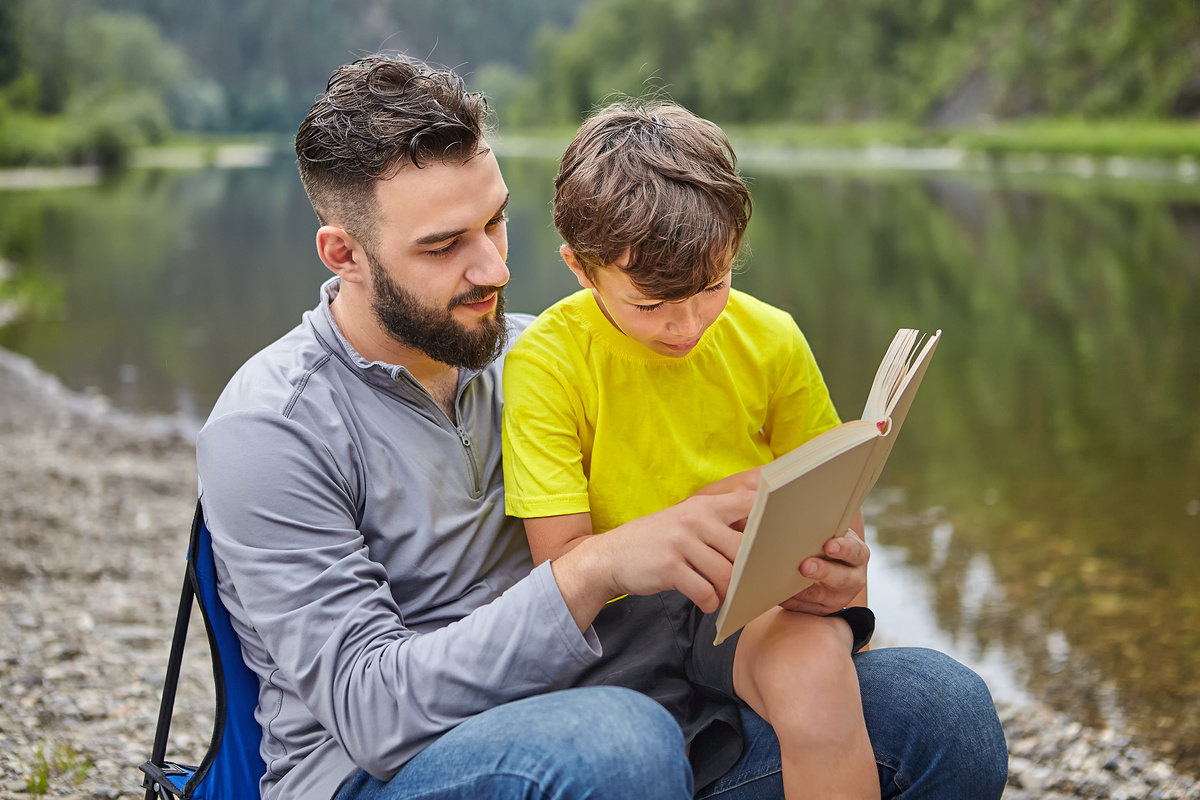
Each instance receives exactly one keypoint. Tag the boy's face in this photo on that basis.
(668, 328)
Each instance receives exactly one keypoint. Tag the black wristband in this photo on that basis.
(862, 624)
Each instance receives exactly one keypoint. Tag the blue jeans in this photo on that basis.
(932, 722)
(933, 727)
(601, 742)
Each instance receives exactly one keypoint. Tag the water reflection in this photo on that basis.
(1041, 518)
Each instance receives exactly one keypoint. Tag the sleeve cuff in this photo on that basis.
(584, 647)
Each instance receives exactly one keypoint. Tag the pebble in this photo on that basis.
(95, 508)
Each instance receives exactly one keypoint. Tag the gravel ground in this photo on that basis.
(94, 512)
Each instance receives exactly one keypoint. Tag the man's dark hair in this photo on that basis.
(660, 182)
(377, 116)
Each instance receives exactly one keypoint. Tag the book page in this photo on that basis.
(897, 413)
(889, 375)
(907, 388)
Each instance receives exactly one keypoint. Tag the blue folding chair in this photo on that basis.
(232, 766)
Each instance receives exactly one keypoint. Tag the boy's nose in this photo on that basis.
(687, 319)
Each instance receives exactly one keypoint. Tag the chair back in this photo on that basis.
(232, 766)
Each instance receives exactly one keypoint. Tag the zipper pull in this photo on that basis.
(462, 435)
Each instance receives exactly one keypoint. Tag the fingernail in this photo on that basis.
(834, 548)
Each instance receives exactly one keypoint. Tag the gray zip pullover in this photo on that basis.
(380, 592)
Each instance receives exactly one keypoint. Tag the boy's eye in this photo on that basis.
(650, 307)
(498, 219)
(716, 287)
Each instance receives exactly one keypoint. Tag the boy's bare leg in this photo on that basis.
(796, 672)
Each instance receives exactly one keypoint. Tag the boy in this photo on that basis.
(649, 385)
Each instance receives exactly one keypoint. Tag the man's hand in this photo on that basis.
(689, 547)
(840, 576)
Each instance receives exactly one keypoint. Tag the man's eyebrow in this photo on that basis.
(441, 236)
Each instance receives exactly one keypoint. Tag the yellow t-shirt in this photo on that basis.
(595, 422)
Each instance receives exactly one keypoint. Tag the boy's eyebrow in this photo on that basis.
(441, 236)
(639, 297)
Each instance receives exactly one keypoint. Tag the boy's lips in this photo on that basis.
(682, 348)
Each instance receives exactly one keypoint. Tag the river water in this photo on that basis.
(1039, 519)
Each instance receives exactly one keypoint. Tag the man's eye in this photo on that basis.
(445, 251)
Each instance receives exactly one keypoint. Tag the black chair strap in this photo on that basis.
(159, 753)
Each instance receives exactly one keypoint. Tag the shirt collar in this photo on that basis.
(378, 373)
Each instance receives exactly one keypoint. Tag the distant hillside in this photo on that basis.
(266, 60)
(126, 72)
(927, 61)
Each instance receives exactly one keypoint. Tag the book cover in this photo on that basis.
(812, 493)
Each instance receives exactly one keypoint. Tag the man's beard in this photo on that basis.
(434, 331)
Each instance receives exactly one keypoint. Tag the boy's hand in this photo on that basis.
(747, 479)
(840, 576)
(689, 548)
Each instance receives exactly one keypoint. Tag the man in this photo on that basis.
(350, 475)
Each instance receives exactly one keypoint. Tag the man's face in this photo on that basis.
(437, 268)
(668, 328)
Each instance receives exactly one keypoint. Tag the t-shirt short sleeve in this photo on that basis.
(800, 408)
(544, 473)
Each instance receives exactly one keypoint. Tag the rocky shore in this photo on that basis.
(94, 513)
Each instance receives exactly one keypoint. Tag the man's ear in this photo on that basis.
(568, 255)
(342, 253)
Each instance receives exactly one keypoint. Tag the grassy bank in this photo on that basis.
(1142, 139)
(28, 140)
(101, 136)
(38, 140)
(1131, 139)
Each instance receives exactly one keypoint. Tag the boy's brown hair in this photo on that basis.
(660, 182)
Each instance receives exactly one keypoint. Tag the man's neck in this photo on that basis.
(371, 342)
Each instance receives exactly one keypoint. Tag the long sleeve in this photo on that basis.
(318, 609)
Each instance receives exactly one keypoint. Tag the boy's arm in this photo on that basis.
(856, 525)
(550, 537)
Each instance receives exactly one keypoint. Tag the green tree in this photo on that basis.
(95, 85)
(924, 60)
(10, 43)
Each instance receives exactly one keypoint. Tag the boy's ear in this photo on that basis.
(568, 255)
(342, 253)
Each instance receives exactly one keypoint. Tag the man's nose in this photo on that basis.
(488, 268)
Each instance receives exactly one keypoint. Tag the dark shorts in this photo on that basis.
(662, 646)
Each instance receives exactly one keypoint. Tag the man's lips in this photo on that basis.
(483, 306)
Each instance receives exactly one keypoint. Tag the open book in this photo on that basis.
(813, 492)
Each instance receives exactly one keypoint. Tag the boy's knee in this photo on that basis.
(802, 657)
